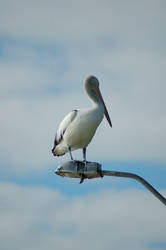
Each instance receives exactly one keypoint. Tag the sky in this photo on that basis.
(47, 49)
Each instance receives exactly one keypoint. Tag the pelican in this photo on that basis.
(78, 128)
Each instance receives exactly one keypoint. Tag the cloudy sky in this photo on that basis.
(47, 48)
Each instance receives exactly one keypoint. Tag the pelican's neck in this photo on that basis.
(96, 102)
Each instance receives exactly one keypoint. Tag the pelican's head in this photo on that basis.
(91, 82)
(92, 88)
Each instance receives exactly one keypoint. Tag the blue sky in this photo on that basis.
(47, 48)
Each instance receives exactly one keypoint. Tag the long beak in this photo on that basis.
(105, 109)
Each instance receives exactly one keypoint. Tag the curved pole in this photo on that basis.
(78, 169)
(138, 178)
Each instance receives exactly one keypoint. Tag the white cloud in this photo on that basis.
(38, 218)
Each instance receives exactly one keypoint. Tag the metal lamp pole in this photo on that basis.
(78, 169)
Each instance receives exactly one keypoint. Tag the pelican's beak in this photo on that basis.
(105, 109)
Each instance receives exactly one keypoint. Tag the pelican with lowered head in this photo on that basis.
(78, 128)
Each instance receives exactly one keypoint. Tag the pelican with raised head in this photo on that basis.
(78, 128)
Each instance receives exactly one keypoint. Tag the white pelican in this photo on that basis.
(79, 126)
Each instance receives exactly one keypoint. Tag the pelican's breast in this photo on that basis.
(80, 132)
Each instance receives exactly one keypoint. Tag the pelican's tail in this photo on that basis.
(56, 153)
(59, 150)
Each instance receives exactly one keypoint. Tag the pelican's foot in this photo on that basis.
(78, 164)
(85, 162)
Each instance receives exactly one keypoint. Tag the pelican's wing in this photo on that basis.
(63, 126)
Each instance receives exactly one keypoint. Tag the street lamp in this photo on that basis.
(78, 169)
